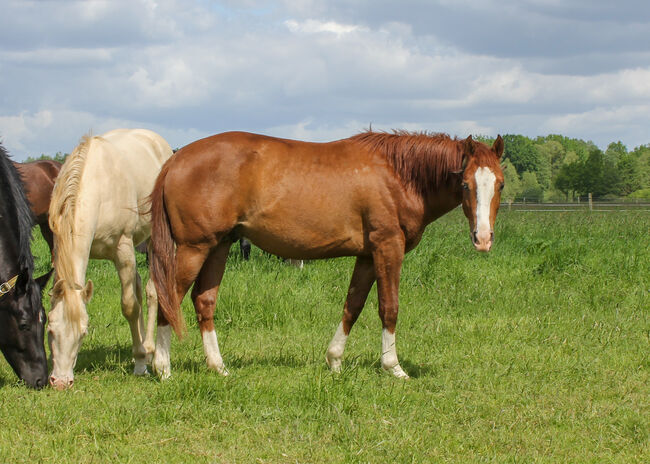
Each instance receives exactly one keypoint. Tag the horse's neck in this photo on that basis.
(74, 245)
(441, 202)
(8, 256)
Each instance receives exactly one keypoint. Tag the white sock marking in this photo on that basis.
(212, 353)
(161, 364)
(336, 348)
(389, 355)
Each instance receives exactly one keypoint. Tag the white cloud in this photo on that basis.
(312, 26)
(313, 70)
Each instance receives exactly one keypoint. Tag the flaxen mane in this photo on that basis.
(62, 216)
(420, 159)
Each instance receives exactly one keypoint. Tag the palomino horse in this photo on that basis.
(22, 317)
(97, 211)
(369, 196)
(39, 177)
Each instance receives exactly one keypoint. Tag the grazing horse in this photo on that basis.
(369, 196)
(38, 178)
(98, 211)
(22, 317)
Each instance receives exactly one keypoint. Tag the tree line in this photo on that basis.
(558, 168)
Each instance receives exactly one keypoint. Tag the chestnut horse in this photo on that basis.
(39, 177)
(369, 196)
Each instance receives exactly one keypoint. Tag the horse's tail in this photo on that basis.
(163, 260)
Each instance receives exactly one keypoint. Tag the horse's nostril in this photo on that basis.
(491, 236)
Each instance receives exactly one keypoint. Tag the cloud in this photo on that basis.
(320, 70)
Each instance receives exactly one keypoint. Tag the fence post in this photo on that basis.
(591, 204)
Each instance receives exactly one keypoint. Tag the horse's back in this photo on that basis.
(295, 199)
(121, 168)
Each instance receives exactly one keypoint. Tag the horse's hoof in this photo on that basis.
(220, 368)
(140, 367)
(162, 370)
(334, 363)
(397, 371)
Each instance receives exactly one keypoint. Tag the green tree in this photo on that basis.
(544, 167)
(520, 150)
(512, 187)
(615, 151)
(554, 152)
(59, 156)
(530, 188)
(566, 180)
(631, 177)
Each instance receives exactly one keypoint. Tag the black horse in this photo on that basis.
(22, 317)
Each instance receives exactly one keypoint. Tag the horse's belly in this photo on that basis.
(301, 243)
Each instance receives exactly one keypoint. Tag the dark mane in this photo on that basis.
(422, 160)
(18, 218)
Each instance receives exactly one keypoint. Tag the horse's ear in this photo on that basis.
(42, 280)
(469, 146)
(87, 292)
(498, 146)
(57, 290)
(22, 281)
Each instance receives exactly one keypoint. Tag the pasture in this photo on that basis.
(536, 352)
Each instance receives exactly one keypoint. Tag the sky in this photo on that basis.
(322, 70)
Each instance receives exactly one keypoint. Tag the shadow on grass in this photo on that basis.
(107, 357)
(120, 358)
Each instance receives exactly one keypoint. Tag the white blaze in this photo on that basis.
(485, 180)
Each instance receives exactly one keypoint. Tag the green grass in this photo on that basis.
(537, 352)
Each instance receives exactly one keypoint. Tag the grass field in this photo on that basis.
(537, 352)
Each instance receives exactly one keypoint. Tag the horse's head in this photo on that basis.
(22, 323)
(481, 184)
(67, 326)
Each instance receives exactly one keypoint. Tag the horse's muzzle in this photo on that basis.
(60, 384)
(482, 240)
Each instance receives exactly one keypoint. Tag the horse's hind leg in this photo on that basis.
(131, 299)
(189, 260)
(363, 277)
(204, 296)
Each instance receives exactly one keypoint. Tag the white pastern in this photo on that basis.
(161, 365)
(485, 180)
(389, 355)
(335, 349)
(212, 353)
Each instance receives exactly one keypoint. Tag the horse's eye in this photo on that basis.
(501, 186)
(465, 185)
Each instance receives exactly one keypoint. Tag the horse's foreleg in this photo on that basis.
(46, 232)
(152, 309)
(204, 296)
(363, 277)
(388, 257)
(131, 300)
